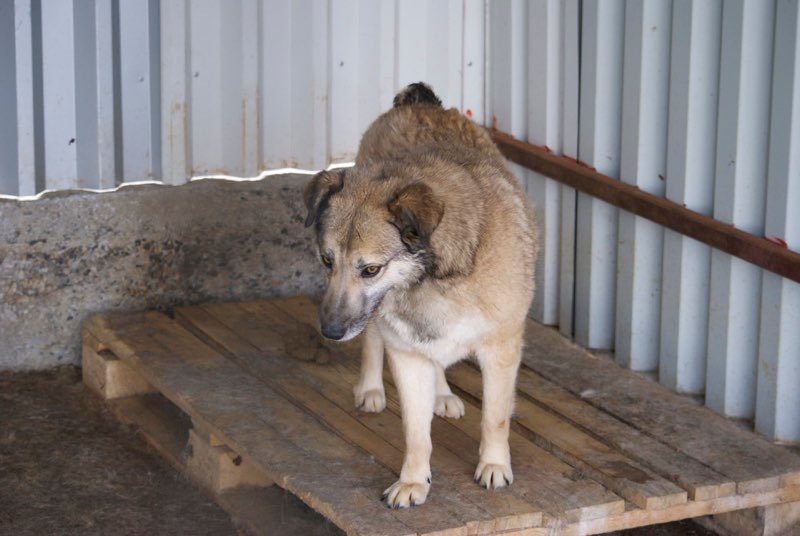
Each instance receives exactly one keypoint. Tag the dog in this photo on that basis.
(430, 245)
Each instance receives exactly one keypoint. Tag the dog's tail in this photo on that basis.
(417, 93)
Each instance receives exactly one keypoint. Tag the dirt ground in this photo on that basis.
(67, 466)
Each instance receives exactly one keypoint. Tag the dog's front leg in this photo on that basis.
(415, 377)
(499, 364)
(369, 393)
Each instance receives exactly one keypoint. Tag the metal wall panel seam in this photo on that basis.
(387, 41)
(570, 91)
(741, 164)
(140, 90)
(345, 99)
(249, 109)
(544, 128)
(86, 97)
(277, 121)
(507, 76)
(58, 90)
(9, 36)
(320, 75)
(777, 395)
(473, 61)
(642, 163)
(175, 91)
(26, 143)
(599, 146)
(106, 94)
(694, 84)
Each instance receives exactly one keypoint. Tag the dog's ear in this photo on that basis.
(322, 186)
(416, 213)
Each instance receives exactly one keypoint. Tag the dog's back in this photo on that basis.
(417, 123)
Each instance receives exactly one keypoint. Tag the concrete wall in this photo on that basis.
(71, 254)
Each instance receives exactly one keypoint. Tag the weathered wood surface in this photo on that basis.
(594, 448)
(753, 463)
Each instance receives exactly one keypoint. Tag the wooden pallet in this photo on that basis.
(595, 448)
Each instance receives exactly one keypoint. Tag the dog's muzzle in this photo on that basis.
(333, 331)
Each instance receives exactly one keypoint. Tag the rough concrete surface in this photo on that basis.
(67, 466)
(71, 254)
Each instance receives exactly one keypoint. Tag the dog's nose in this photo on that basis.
(333, 331)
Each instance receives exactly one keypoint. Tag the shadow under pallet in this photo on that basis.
(243, 395)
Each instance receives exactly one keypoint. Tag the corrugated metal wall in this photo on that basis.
(698, 102)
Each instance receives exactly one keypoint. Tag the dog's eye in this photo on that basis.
(327, 261)
(371, 271)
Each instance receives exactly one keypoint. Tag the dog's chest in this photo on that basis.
(438, 328)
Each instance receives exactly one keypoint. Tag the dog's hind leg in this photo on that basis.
(499, 365)
(447, 404)
(369, 393)
(415, 377)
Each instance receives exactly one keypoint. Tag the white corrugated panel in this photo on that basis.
(602, 37)
(8, 127)
(545, 64)
(645, 97)
(690, 169)
(693, 101)
(739, 193)
(570, 84)
(778, 397)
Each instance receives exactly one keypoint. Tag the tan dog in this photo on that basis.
(430, 245)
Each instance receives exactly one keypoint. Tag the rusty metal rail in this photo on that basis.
(770, 254)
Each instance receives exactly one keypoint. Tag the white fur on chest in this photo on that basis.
(457, 331)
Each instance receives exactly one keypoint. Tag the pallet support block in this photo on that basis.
(107, 375)
(218, 468)
(774, 520)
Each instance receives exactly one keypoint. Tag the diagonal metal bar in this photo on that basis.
(770, 254)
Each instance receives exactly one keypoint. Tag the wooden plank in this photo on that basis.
(446, 512)
(575, 498)
(620, 474)
(166, 428)
(641, 518)
(753, 463)
(327, 466)
(324, 471)
(564, 498)
(701, 482)
(244, 331)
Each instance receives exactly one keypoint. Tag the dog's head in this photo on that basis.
(374, 236)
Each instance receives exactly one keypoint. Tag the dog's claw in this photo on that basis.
(493, 475)
(405, 494)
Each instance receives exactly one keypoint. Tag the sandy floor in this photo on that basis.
(68, 467)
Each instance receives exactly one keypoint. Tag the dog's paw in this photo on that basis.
(405, 494)
(493, 475)
(370, 400)
(449, 406)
